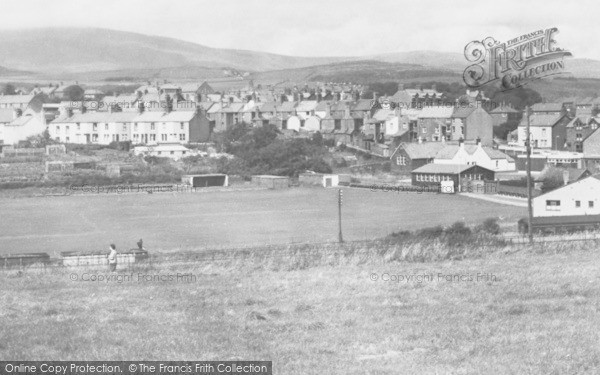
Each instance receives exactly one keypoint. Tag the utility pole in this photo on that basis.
(529, 193)
(340, 195)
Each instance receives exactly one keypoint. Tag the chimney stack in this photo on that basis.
(565, 177)
(17, 112)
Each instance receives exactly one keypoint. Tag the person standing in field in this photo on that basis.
(112, 258)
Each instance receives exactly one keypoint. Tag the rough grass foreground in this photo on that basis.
(355, 310)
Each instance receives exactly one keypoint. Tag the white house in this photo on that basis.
(139, 128)
(548, 131)
(16, 126)
(578, 198)
(312, 124)
(16, 101)
(306, 108)
(469, 154)
(295, 123)
(396, 124)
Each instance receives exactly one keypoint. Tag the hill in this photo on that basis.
(52, 50)
(101, 53)
(364, 71)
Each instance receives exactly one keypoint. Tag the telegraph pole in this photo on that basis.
(340, 195)
(529, 193)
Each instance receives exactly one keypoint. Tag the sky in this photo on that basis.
(321, 27)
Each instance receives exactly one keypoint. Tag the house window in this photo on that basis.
(182, 137)
(424, 130)
(57, 128)
(94, 137)
(577, 203)
(105, 126)
(591, 204)
(153, 137)
(135, 128)
(163, 137)
(67, 128)
(152, 127)
(164, 126)
(552, 205)
(78, 126)
(181, 124)
(172, 152)
(124, 127)
(400, 160)
(68, 139)
(95, 127)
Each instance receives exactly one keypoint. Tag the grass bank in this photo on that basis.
(354, 310)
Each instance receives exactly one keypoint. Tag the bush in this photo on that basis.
(490, 226)
(458, 235)
(431, 233)
(523, 225)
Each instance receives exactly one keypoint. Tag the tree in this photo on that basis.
(73, 93)
(7, 89)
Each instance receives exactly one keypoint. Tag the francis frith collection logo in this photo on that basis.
(515, 62)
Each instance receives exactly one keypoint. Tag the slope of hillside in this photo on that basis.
(54, 50)
(365, 71)
(446, 60)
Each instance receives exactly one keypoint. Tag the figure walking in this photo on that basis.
(112, 258)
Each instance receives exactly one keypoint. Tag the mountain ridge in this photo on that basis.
(56, 52)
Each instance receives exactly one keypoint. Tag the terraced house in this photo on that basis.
(139, 128)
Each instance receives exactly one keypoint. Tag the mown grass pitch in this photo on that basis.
(208, 219)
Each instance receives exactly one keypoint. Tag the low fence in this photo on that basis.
(74, 259)
(274, 251)
(515, 191)
(71, 259)
(23, 152)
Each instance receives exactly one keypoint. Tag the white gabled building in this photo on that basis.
(580, 198)
(16, 125)
(469, 154)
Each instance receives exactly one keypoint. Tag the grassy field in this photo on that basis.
(201, 220)
(534, 312)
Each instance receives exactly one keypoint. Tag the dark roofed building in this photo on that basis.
(431, 175)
